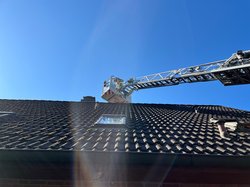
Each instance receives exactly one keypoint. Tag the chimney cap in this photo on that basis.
(88, 99)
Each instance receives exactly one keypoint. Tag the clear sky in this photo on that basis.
(63, 50)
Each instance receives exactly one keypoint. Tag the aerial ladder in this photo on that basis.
(232, 71)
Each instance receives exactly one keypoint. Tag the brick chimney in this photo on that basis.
(88, 99)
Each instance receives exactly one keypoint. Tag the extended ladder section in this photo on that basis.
(233, 71)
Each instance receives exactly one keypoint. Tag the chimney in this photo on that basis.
(88, 99)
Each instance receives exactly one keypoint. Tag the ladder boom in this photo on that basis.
(232, 71)
(184, 75)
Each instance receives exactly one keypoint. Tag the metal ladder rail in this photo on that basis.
(183, 76)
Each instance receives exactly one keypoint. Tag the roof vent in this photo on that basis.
(4, 113)
(230, 124)
(88, 99)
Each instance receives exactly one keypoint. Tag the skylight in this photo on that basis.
(111, 119)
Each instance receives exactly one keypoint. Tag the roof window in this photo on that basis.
(111, 119)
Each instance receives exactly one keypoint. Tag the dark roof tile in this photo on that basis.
(58, 125)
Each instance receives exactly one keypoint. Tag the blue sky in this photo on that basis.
(63, 50)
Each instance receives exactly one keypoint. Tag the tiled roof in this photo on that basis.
(161, 128)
